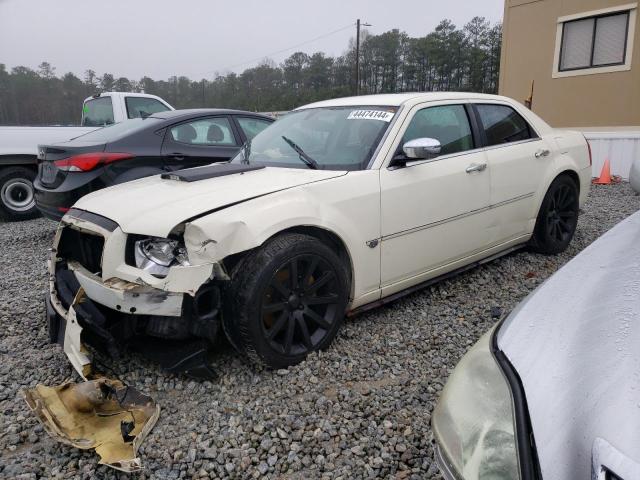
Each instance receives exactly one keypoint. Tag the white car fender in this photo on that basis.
(323, 205)
(568, 146)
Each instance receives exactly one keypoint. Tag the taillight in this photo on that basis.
(590, 155)
(88, 161)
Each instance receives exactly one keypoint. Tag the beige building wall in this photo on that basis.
(529, 54)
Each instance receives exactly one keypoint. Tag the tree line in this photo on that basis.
(449, 58)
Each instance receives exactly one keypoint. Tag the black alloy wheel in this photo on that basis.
(286, 300)
(561, 214)
(299, 304)
(558, 217)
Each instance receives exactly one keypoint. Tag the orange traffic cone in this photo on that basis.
(605, 175)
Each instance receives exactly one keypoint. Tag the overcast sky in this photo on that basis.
(197, 38)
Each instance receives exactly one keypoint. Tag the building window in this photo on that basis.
(594, 42)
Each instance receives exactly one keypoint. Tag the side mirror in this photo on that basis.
(422, 149)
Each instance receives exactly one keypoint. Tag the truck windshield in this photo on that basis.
(335, 138)
(118, 130)
(97, 112)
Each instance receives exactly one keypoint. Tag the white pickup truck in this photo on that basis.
(19, 145)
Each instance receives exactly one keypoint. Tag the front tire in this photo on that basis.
(286, 300)
(558, 217)
(17, 201)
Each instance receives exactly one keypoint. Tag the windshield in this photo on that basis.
(119, 130)
(336, 138)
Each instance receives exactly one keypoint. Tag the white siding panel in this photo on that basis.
(621, 148)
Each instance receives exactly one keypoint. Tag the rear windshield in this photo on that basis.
(119, 130)
(97, 112)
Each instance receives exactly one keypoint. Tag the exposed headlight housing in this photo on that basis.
(474, 423)
(157, 255)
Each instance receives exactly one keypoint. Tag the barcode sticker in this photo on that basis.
(370, 115)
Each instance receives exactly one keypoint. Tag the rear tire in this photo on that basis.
(17, 201)
(558, 217)
(286, 300)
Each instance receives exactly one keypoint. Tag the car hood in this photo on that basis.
(154, 206)
(574, 343)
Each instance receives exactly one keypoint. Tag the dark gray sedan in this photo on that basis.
(553, 392)
(137, 148)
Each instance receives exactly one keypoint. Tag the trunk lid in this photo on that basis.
(51, 176)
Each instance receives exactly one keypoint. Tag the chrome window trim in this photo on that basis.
(466, 152)
(535, 138)
(517, 110)
(519, 142)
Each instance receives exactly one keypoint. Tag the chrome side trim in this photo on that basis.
(456, 217)
(511, 144)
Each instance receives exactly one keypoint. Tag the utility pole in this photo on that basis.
(358, 24)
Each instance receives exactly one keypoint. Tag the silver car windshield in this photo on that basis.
(336, 138)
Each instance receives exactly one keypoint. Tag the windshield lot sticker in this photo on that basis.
(370, 115)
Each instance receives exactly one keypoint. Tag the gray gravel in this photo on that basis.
(359, 410)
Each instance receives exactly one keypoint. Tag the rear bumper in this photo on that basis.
(53, 205)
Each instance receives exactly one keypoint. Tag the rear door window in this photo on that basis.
(502, 124)
(252, 126)
(97, 112)
(140, 107)
(215, 131)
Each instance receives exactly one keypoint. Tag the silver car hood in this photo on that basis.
(575, 342)
(153, 205)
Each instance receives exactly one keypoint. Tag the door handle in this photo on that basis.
(542, 153)
(177, 156)
(476, 167)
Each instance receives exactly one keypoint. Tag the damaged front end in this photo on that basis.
(102, 300)
(104, 296)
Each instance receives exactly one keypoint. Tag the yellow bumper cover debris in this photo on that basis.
(105, 415)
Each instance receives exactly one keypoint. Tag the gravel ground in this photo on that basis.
(359, 410)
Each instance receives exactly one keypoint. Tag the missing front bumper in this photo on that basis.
(105, 415)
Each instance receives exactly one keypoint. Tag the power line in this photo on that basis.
(281, 51)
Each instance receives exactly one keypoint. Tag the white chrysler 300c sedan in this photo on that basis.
(339, 206)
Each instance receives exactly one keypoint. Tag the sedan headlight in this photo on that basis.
(473, 422)
(157, 255)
